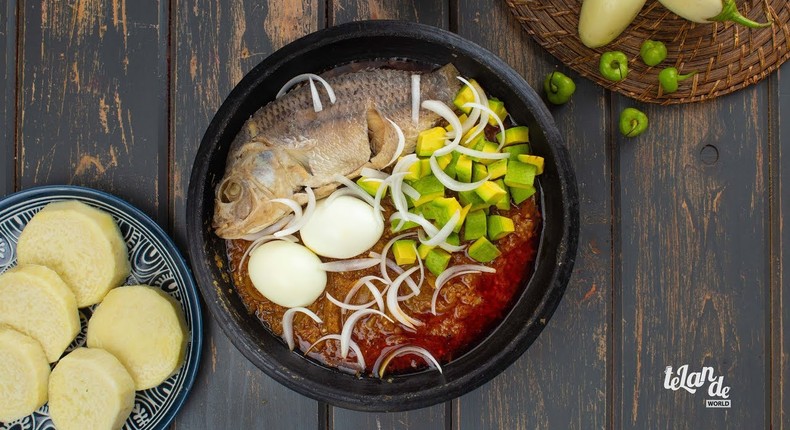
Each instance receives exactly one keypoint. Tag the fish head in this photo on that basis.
(256, 174)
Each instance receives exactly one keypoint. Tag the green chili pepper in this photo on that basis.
(614, 66)
(653, 52)
(669, 78)
(632, 122)
(559, 88)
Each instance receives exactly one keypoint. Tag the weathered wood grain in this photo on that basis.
(93, 98)
(561, 381)
(8, 96)
(780, 238)
(213, 45)
(436, 14)
(693, 229)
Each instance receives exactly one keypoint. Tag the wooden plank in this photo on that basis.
(693, 211)
(436, 14)
(8, 96)
(213, 45)
(561, 381)
(93, 98)
(780, 291)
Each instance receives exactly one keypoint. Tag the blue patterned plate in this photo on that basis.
(155, 261)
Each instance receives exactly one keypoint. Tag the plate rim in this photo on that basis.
(192, 296)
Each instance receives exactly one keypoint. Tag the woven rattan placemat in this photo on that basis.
(727, 57)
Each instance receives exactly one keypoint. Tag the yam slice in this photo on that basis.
(81, 243)
(24, 374)
(35, 301)
(90, 389)
(145, 328)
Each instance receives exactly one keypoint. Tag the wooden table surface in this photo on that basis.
(680, 258)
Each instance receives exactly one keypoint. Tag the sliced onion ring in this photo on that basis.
(366, 280)
(451, 183)
(409, 349)
(394, 306)
(348, 328)
(401, 142)
(474, 115)
(415, 98)
(445, 232)
(317, 106)
(277, 226)
(304, 77)
(356, 190)
(350, 265)
(452, 272)
(501, 135)
(445, 112)
(480, 154)
(288, 323)
(352, 344)
(260, 241)
(299, 221)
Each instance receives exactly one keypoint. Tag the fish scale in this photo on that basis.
(286, 146)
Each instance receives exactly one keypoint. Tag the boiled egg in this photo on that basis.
(342, 228)
(287, 273)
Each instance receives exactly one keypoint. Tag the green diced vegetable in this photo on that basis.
(414, 172)
(463, 168)
(515, 135)
(521, 194)
(425, 167)
(430, 140)
(429, 188)
(443, 161)
(437, 260)
(479, 172)
(461, 119)
(520, 175)
(474, 142)
(483, 251)
(490, 192)
(444, 208)
(454, 239)
(516, 150)
(497, 169)
(463, 97)
(423, 250)
(534, 160)
(489, 147)
(471, 198)
(405, 252)
(464, 212)
(406, 225)
(370, 186)
(499, 108)
(475, 225)
(499, 227)
(504, 202)
(451, 168)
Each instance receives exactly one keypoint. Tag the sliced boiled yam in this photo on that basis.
(35, 301)
(83, 244)
(24, 374)
(145, 328)
(90, 389)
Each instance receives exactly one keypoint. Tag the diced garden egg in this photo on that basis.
(343, 228)
(287, 273)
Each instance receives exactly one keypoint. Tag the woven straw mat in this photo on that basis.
(726, 56)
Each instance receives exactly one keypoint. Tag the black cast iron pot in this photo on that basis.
(366, 41)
